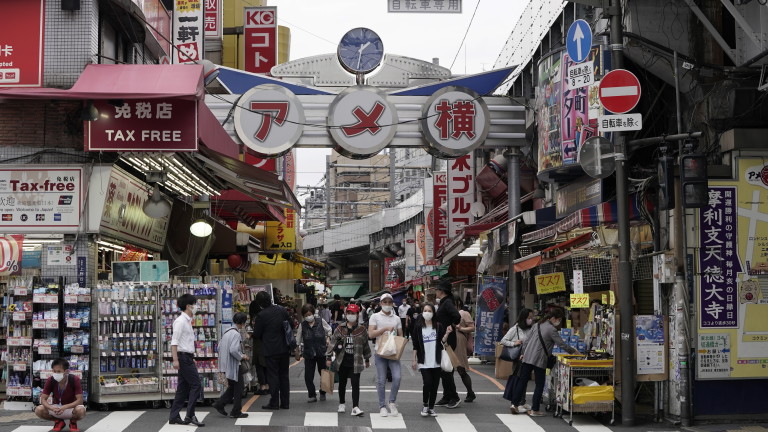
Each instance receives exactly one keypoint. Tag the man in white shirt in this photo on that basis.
(402, 311)
(183, 352)
(386, 321)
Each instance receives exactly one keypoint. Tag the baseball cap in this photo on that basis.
(353, 308)
(386, 296)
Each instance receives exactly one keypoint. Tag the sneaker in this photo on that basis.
(73, 426)
(470, 398)
(432, 413)
(312, 399)
(241, 415)
(383, 412)
(322, 397)
(454, 404)
(357, 412)
(58, 426)
(522, 409)
(442, 402)
(424, 412)
(527, 407)
(536, 414)
(342, 408)
(393, 409)
(513, 409)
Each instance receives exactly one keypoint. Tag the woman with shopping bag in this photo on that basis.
(347, 354)
(513, 346)
(464, 331)
(428, 338)
(312, 343)
(381, 323)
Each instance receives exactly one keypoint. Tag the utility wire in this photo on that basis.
(465, 34)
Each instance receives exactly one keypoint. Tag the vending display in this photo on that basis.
(17, 353)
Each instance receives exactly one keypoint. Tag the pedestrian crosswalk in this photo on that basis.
(151, 421)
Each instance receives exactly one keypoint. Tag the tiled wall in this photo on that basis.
(71, 41)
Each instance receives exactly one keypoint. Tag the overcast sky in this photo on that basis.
(318, 25)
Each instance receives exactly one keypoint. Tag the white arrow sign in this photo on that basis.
(578, 35)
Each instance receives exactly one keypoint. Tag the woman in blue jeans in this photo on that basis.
(386, 321)
(538, 347)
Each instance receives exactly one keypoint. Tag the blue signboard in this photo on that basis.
(491, 304)
(579, 41)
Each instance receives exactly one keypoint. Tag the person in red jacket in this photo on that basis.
(62, 398)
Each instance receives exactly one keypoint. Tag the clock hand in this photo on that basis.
(360, 52)
(364, 46)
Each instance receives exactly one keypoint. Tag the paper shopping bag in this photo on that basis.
(326, 381)
(503, 368)
(399, 342)
(452, 355)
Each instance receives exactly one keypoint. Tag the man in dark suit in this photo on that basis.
(448, 316)
(268, 327)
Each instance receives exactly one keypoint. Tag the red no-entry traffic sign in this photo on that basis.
(619, 91)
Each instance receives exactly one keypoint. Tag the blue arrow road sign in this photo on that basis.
(579, 41)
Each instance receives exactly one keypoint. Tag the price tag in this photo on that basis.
(77, 349)
(19, 367)
(612, 297)
(84, 298)
(70, 299)
(579, 301)
(44, 349)
(38, 324)
(51, 324)
(21, 291)
(73, 323)
(13, 391)
(19, 316)
(51, 298)
(45, 374)
(38, 298)
(76, 373)
(25, 391)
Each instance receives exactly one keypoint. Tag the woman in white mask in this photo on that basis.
(516, 336)
(427, 353)
(349, 344)
(386, 321)
(312, 340)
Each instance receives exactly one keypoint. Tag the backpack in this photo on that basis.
(290, 337)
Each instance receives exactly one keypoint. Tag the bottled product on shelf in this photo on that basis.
(17, 353)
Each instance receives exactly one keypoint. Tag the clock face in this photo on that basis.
(360, 50)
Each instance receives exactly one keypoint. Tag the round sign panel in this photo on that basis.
(597, 158)
(619, 91)
(361, 122)
(269, 119)
(454, 121)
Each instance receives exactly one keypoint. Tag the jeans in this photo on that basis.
(381, 379)
(310, 364)
(431, 377)
(234, 394)
(344, 373)
(277, 377)
(189, 387)
(522, 384)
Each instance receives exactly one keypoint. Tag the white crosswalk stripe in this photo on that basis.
(116, 422)
(587, 424)
(455, 423)
(183, 428)
(321, 419)
(389, 422)
(255, 419)
(33, 428)
(519, 422)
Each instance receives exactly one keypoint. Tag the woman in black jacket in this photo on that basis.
(428, 338)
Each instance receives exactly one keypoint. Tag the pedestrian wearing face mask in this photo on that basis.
(350, 345)
(62, 398)
(382, 322)
(537, 348)
(448, 316)
(428, 337)
(516, 336)
(183, 353)
(312, 340)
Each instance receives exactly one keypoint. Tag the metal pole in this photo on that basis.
(327, 192)
(392, 174)
(513, 200)
(625, 294)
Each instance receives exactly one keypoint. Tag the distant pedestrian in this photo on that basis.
(349, 344)
(448, 316)
(463, 334)
(258, 361)
(312, 341)
(269, 329)
(516, 336)
(382, 322)
(230, 356)
(402, 312)
(183, 353)
(325, 313)
(428, 339)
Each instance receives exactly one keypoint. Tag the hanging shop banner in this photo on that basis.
(188, 31)
(411, 271)
(159, 20)
(390, 276)
(550, 283)
(122, 215)
(151, 125)
(650, 344)
(40, 198)
(461, 193)
(454, 121)
(279, 236)
(439, 214)
(21, 43)
(491, 304)
(260, 29)
(424, 6)
(213, 18)
(731, 293)
(421, 246)
(82, 271)
(11, 247)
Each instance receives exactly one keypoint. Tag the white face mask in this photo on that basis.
(352, 318)
(386, 308)
(557, 323)
(437, 300)
(428, 316)
(58, 376)
(194, 309)
(310, 318)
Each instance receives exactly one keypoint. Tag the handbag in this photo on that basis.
(290, 338)
(512, 353)
(551, 359)
(389, 347)
(445, 362)
(327, 380)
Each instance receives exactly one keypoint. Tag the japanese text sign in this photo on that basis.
(579, 301)
(439, 216)
(491, 303)
(269, 119)
(280, 237)
(461, 193)
(621, 122)
(424, 6)
(188, 32)
(21, 43)
(149, 125)
(578, 281)
(212, 18)
(260, 28)
(40, 199)
(454, 121)
(550, 283)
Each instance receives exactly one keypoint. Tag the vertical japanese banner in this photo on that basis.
(188, 31)
(390, 278)
(289, 177)
(21, 43)
(410, 257)
(429, 229)
(491, 303)
(548, 107)
(11, 247)
(439, 211)
(421, 248)
(575, 115)
(213, 19)
(461, 193)
(260, 28)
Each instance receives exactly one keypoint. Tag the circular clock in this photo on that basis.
(360, 50)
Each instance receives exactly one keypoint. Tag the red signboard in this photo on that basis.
(260, 28)
(153, 125)
(212, 18)
(267, 164)
(440, 220)
(11, 247)
(21, 43)
(159, 20)
(619, 91)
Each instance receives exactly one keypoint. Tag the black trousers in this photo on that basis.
(449, 386)
(431, 378)
(346, 372)
(406, 333)
(234, 394)
(540, 376)
(277, 377)
(189, 387)
(310, 364)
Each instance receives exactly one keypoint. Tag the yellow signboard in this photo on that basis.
(550, 283)
(579, 301)
(281, 237)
